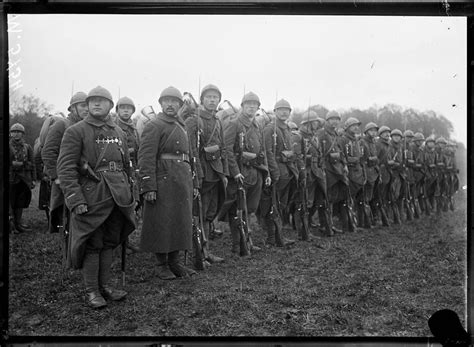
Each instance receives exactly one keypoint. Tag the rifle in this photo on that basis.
(302, 213)
(349, 201)
(64, 239)
(242, 219)
(199, 236)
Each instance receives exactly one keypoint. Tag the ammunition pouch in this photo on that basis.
(212, 153)
(16, 165)
(252, 159)
(352, 161)
(334, 157)
(287, 156)
(432, 166)
(372, 161)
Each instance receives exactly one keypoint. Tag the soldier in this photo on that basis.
(246, 160)
(418, 173)
(125, 109)
(397, 175)
(381, 192)
(77, 111)
(22, 176)
(442, 190)
(206, 136)
(315, 170)
(166, 183)
(431, 175)
(93, 171)
(452, 172)
(370, 163)
(352, 151)
(283, 170)
(337, 180)
(405, 201)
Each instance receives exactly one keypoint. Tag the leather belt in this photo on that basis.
(172, 156)
(110, 166)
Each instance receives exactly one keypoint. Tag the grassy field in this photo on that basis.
(383, 282)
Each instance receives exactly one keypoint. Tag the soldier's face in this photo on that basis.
(16, 134)
(418, 143)
(282, 113)
(125, 111)
(430, 144)
(385, 135)
(210, 100)
(315, 125)
(170, 106)
(99, 107)
(333, 122)
(442, 146)
(249, 108)
(396, 138)
(372, 132)
(353, 129)
(81, 110)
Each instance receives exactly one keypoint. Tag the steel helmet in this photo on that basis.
(292, 125)
(383, 129)
(418, 137)
(100, 92)
(370, 125)
(430, 139)
(282, 104)
(18, 127)
(211, 87)
(124, 100)
(77, 99)
(250, 96)
(441, 140)
(396, 132)
(351, 121)
(333, 114)
(309, 116)
(171, 92)
(408, 133)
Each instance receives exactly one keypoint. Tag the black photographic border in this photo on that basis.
(464, 8)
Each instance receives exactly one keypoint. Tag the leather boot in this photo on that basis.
(360, 214)
(105, 262)
(324, 219)
(234, 231)
(164, 272)
(90, 273)
(269, 228)
(383, 215)
(445, 203)
(17, 213)
(214, 233)
(330, 220)
(427, 206)
(416, 204)
(211, 258)
(176, 267)
(396, 214)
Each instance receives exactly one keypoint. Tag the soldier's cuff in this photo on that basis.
(147, 184)
(74, 199)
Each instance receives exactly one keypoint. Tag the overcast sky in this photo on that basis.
(337, 61)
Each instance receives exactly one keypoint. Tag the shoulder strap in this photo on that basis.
(212, 133)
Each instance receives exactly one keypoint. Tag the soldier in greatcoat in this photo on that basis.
(370, 162)
(405, 201)
(78, 110)
(314, 167)
(442, 188)
(418, 173)
(206, 135)
(282, 164)
(451, 172)
(397, 174)
(93, 171)
(125, 109)
(247, 163)
(431, 175)
(167, 186)
(352, 151)
(22, 176)
(381, 192)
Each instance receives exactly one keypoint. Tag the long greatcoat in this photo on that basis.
(85, 141)
(167, 223)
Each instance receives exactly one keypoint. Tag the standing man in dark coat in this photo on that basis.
(337, 179)
(22, 176)
(418, 173)
(314, 167)
(125, 109)
(431, 175)
(353, 154)
(77, 111)
(247, 162)
(94, 171)
(166, 183)
(381, 192)
(206, 135)
(282, 166)
(405, 202)
(442, 188)
(397, 174)
(370, 162)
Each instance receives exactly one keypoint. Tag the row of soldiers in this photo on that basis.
(102, 169)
